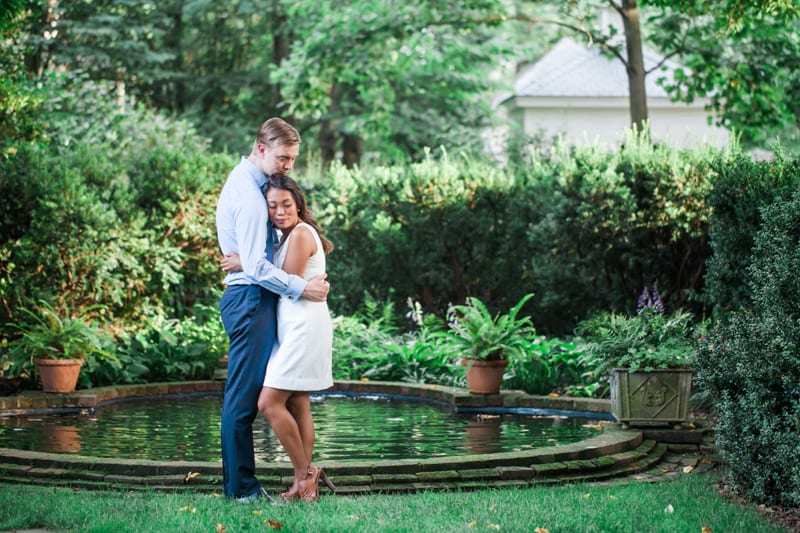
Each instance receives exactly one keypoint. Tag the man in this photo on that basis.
(248, 305)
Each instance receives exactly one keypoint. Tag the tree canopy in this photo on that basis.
(388, 79)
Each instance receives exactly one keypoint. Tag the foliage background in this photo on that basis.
(118, 118)
(583, 229)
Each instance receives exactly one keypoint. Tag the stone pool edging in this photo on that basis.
(612, 453)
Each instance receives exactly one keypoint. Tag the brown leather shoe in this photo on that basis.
(310, 492)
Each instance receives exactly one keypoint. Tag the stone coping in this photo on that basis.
(613, 452)
(461, 400)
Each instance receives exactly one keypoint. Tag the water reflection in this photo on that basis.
(59, 439)
(187, 428)
(483, 434)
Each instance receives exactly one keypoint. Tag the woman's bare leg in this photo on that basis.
(300, 407)
(273, 403)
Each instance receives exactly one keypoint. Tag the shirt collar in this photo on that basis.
(255, 172)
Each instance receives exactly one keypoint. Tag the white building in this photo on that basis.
(576, 91)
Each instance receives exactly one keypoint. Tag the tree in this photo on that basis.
(201, 59)
(365, 76)
(737, 92)
(749, 69)
(389, 76)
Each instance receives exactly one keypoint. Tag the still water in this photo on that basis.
(363, 428)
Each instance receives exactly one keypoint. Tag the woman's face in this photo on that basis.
(282, 208)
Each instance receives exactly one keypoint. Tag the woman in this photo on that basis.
(301, 358)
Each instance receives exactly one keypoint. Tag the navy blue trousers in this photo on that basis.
(249, 316)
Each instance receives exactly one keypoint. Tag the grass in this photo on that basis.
(584, 508)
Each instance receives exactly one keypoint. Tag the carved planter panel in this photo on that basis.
(660, 395)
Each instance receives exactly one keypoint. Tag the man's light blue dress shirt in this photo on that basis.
(243, 227)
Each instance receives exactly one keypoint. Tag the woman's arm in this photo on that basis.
(231, 263)
(301, 247)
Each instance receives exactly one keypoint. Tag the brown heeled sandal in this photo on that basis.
(325, 479)
(310, 492)
(290, 495)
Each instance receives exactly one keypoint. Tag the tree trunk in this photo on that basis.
(633, 40)
(36, 61)
(174, 42)
(327, 142)
(328, 130)
(352, 149)
(281, 49)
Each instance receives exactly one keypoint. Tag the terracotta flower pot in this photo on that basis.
(59, 375)
(485, 377)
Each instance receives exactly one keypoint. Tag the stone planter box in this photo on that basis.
(660, 396)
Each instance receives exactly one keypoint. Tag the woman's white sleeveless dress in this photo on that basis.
(301, 357)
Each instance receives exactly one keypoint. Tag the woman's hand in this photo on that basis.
(231, 263)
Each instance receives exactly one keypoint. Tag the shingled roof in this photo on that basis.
(577, 70)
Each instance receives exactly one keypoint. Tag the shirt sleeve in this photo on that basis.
(251, 230)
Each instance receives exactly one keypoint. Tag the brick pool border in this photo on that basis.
(612, 453)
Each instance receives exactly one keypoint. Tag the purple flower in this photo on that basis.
(651, 300)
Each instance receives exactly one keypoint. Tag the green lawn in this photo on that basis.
(685, 504)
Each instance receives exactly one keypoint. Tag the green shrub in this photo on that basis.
(583, 229)
(369, 347)
(117, 208)
(550, 365)
(173, 350)
(602, 225)
(646, 340)
(750, 365)
(742, 188)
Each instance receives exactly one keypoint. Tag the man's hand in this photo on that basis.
(317, 289)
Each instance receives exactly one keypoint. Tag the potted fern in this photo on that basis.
(485, 342)
(648, 357)
(55, 345)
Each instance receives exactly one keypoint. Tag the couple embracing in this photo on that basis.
(275, 314)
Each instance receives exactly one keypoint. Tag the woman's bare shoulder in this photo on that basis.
(303, 237)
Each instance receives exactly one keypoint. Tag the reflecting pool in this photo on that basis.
(347, 428)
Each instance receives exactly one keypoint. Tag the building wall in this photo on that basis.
(583, 121)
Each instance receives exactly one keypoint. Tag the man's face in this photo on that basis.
(279, 159)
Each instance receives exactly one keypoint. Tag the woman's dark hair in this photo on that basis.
(280, 181)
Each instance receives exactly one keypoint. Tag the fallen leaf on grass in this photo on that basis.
(274, 524)
(670, 509)
(493, 508)
(553, 395)
(187, 509)
(688, 469)
(665, 470)
(541, 530)
(706, 461)
(493, 526)
(214, 495)
(587, 496)
(219, 528)
(258, 512)
(473, 523)
(706, 529)
(190, 476)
